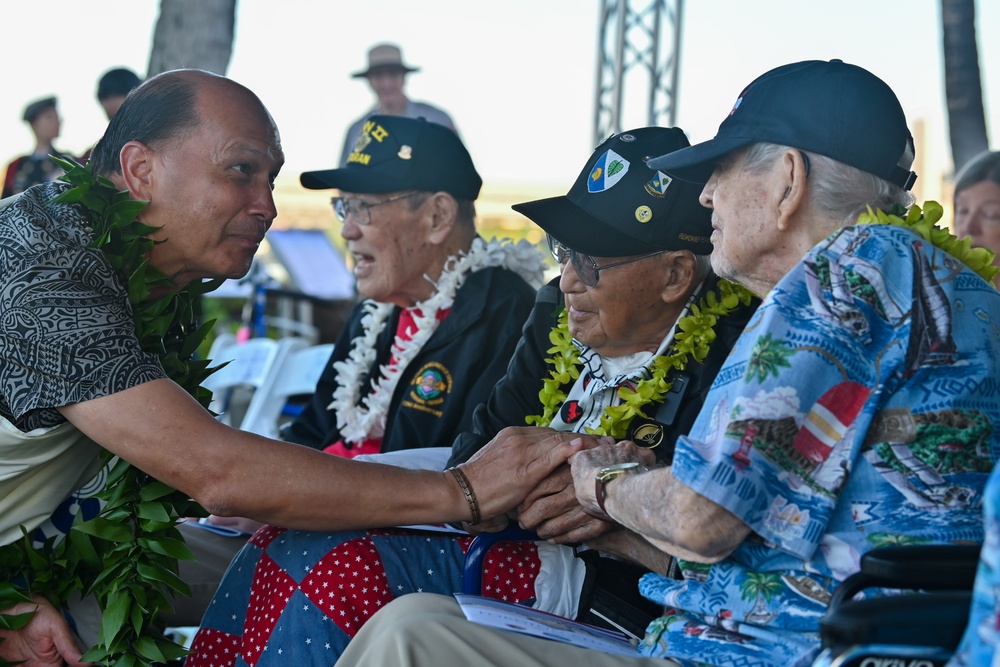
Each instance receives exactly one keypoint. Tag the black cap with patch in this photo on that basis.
(395, 153)
(618, 207)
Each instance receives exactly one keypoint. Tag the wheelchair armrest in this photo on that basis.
(931, 567)
(914, 619)
(472, 579)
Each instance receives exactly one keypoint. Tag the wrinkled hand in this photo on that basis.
(511, 465)
(45, 641)
(553, 511)
(585, 465)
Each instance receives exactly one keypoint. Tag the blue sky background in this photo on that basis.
(518, 76)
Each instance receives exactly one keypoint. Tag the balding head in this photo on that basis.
(165, 108)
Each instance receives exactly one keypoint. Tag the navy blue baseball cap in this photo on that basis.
(618, 207)
(396, 153)
(832, 108)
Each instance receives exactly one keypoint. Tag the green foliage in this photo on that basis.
(924, 222)
(692, 339)
(127, 556)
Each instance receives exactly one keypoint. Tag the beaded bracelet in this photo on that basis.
(470, 495)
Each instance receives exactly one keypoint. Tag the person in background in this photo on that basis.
(977, 203)
(37, 167)
(112, 88)
(386, 75)
(852, 412)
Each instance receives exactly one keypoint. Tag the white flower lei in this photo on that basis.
(359, 421)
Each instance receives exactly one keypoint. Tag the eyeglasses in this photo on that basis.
(359, 209)
(586, 267)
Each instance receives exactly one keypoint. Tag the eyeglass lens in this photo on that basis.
(584, 265)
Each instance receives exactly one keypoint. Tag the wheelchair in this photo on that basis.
(919, 627)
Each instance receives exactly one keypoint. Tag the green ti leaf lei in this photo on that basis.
(924, 222)
(693, 337)
(127, 555)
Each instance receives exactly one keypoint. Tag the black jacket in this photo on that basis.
(461, 362)
(516, 395)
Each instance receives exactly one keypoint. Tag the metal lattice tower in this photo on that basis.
(639, 43)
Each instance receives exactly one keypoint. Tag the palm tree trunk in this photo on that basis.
(962, 83)
(193, 33)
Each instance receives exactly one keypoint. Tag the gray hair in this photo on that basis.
(840, 191)
(465, 216)
(983, 167)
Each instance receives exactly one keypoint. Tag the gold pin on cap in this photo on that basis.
(405, 152)
(643, 214)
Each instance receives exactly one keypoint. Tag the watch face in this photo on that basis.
(612, 471)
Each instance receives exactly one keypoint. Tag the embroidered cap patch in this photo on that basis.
(610, 169)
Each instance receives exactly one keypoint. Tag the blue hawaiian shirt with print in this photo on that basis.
(856, 410)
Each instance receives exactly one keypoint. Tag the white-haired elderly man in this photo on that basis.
(857, 409)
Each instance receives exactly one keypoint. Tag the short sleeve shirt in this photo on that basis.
(66, 327)
(858, 409)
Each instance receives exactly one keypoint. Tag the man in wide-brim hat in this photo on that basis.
(386, 74)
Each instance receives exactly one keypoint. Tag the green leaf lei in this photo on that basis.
(694, 335)
(924, 222)
(127, 555)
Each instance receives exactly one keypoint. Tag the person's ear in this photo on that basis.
(137, 169)
(443, 216)
(793, 184)
(680, 271)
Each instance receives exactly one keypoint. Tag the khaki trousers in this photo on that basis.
(427, 630)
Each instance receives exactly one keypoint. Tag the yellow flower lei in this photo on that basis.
(923, 222)
(694, 335)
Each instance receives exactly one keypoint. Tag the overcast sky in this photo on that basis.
(518, 76)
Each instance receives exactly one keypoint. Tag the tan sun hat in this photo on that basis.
(385, 57)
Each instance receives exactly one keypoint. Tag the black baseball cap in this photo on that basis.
(618, 207)
(117, 81)
(38, 106)
(832, 108)
(395, 153)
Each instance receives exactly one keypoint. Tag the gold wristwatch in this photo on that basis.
(608, 473)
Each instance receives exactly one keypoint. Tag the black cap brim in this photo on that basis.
(352, 180)
(696, 163)
(575, 228)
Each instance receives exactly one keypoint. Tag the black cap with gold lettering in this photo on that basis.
(395, 153)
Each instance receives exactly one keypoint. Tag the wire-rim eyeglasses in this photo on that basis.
(586, 267)
(359, 209)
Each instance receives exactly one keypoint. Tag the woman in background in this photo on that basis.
(977, 203)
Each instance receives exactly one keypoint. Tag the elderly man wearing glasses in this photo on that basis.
(625, 343)
(443, 308)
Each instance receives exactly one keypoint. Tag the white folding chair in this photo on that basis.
(296, 371)
(250, 365)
